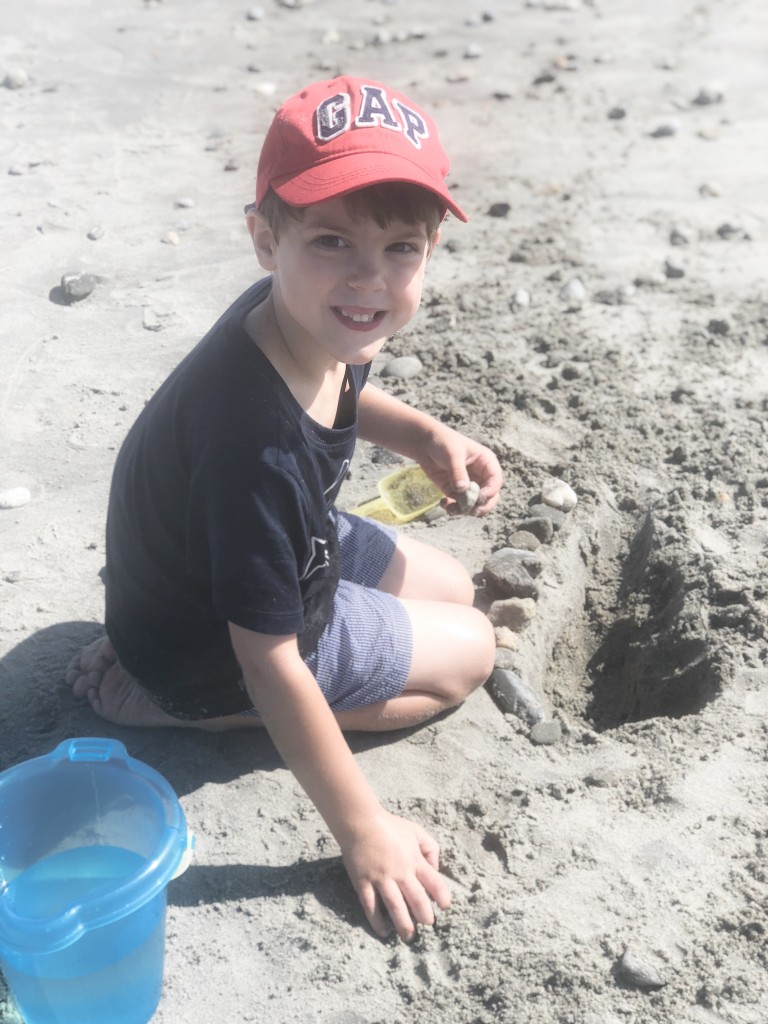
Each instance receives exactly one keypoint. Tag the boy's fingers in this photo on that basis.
(377, 919)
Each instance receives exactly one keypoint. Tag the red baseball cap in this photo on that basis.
(340, 135)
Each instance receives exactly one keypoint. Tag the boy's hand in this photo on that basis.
(392, 864)
(452, 460)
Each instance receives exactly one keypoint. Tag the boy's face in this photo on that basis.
(341, 286)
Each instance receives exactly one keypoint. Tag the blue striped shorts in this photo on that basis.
(364, 653)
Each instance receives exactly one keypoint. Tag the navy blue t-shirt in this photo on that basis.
(220, 511)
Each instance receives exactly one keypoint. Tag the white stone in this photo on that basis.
(559, 494)
(573, 291)
(16, 78)
(521, 299)
(15, 497)
(170, 238)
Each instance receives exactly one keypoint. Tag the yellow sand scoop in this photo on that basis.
(406, 494)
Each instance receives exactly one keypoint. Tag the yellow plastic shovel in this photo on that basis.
(405, 494)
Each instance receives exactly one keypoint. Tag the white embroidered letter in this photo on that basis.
(333, 117)
(415, 128)
(374, 109)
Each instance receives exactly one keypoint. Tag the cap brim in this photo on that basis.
(344, 174)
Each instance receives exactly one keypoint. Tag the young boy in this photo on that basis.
(236, 593)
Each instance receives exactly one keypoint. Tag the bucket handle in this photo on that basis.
(92, 749)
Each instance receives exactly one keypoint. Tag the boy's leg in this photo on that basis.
(451, 644)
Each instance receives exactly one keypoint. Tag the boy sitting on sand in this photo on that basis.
(236, 594)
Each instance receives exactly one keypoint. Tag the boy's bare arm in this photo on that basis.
(391, 861)
(449, 458)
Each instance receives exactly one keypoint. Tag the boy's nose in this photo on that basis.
(366, 273)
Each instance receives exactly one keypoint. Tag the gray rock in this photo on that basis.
(507, 576)
(514, 697)
(672, 269)
(540, 526)
(617, 113)
(635, 971)
(546, 734)
(524, 540)
(542, 511)
(529, 559)
(78, 286)
(403, 367)
(681, 234)
(96, 232)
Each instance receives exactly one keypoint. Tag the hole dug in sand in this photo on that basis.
(623, 630)
(656, 658)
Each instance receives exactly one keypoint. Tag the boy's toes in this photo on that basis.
(84, 682)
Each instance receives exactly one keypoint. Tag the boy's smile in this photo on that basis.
(341, 286)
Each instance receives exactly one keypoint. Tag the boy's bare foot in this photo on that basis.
(96, 675)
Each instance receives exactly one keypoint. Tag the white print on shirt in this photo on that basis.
(318, 559)
(339, 477)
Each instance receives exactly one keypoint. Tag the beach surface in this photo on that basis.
(602, 320)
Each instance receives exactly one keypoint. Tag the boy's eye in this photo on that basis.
(406, 247)
(330, 241)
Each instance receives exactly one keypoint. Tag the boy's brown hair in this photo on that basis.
(383, 203)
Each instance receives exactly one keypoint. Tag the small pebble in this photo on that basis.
(232, 165)
(727, 231)
(615, 296)
(472, 51)
(15, 497)
(666, 129)
(505, 638)
(708, 95)
(16, 78)
(403, 367)
(673, 270)
(710, 189)
(77, 286)
(499, 209)
(617, 113)
(17, 170)
(521, 299)
(636, 971)
(184, 203)
(523, 539)
(170, 238)
(546, 734)
(151, 322)
(681, 235)
(573, 292)
(514, 697)
(514, 612)
(254, 13)
(602, 778)
(559, 494)
(466, 500)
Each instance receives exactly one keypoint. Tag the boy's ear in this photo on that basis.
(264, 241)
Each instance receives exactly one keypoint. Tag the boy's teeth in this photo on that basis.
(360, 318)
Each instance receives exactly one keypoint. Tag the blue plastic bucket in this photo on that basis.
(89, 839)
